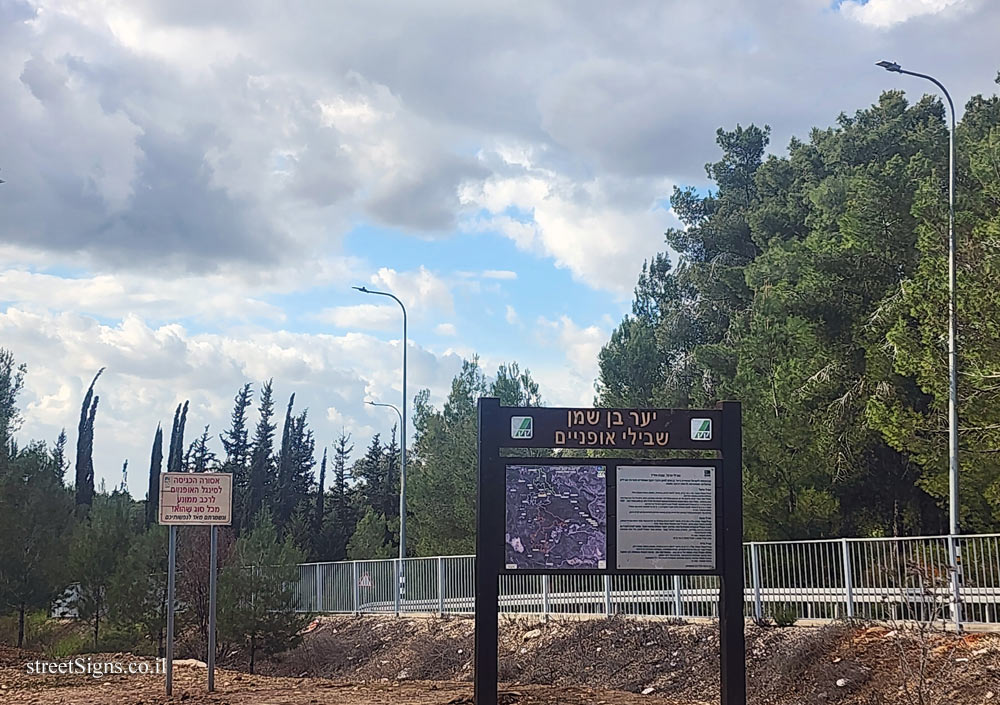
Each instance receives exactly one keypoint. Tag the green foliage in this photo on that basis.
(813, 288)
(260, 473)
(11, 383)
(784, 615)
(444, 458)
(294, 466)
(256, 592)
(99, 544)
(68, 645)
(374, 537)
(36, 516)
(137, 592)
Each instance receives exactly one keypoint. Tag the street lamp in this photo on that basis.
(402, 423)
(953, 509)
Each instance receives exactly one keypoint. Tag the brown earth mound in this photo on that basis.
(837, 663)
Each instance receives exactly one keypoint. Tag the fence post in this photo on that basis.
(677, 596)
(319, 590)
(355, 579)
(954, 554)
(607, 595)
(396, 572)
(758, 606)
(545, 598)
(845, 549)
(440, 586)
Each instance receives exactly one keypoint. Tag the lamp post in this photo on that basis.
(402, 423)
(953, 507)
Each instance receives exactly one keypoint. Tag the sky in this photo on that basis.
(194, 186)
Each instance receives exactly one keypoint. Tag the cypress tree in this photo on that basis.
(175, 457)
(155, 466)
(320, 494)
(282, 499)
(85, 447)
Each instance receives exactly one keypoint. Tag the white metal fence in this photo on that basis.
(825, 579)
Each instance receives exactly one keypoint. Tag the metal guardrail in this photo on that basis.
(824, 579)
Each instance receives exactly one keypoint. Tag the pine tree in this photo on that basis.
(155, 467)
(342, 450)
(390, 474)
(236, 443)
(369, 471)
(260, 478)
(11, 383)
(97, 547)
(137, 591)
(85, 447)
(59, 453)
(200, 457)
(257, 590)
(36, 513)
(342, 520)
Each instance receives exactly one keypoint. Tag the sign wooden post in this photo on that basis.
(625, 515)
(194, 499)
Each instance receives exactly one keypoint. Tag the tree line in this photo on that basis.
(292, 503)
(813, 288)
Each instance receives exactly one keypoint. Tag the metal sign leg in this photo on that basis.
(171, 571)
(212, 563)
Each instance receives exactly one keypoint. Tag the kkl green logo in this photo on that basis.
(521, 427)
(701, 429)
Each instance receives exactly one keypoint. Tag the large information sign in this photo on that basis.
(196, 498)
(622, 515)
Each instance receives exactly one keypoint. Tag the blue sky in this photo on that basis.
(192, 188)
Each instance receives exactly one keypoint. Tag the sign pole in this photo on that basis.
(212, 582)
(488, 557)
(171, 574)
(732, 641)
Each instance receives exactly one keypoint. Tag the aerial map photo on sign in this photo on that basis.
(556, 516)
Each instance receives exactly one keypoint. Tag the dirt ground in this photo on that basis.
(233, 688)
(362, 660)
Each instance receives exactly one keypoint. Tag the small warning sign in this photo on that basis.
(365, 581)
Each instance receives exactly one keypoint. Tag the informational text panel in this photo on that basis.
(666, 518)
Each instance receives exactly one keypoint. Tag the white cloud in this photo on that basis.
(601, 230)
(212, 298)
(886, 13)
(446, 329)
(571, 383)
(151, 369)
(502, 274)
(511, 315)
(363, 316)
(419, 290)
